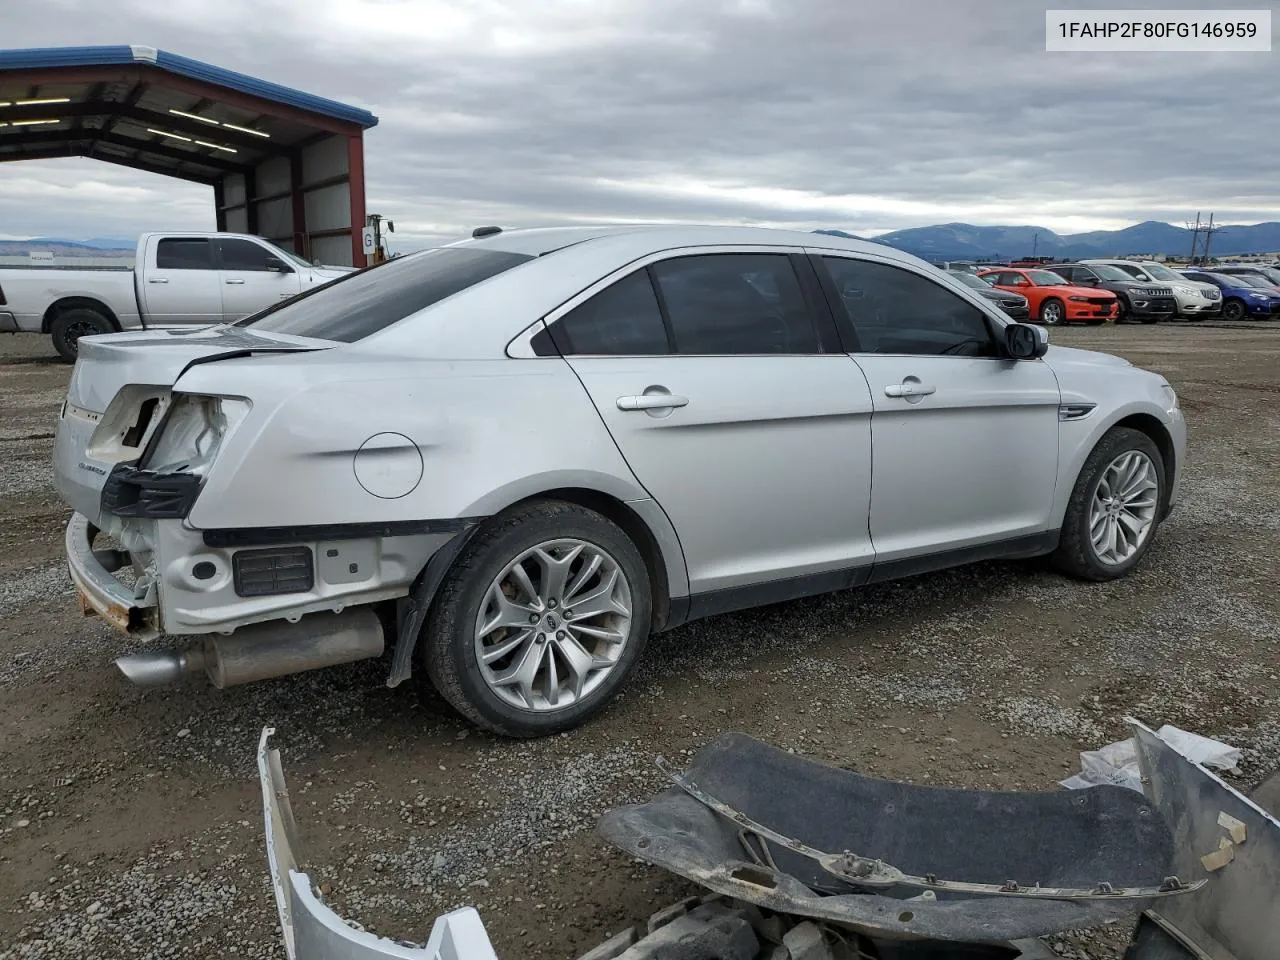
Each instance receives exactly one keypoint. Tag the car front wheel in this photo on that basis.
(1052, 313)
(1114, 509)
(540, 620)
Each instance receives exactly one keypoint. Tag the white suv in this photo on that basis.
(513, 458)
(1196, 301)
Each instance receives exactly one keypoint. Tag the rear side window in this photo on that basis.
(895, 311)
(735, 303)
(622, 320)
(236, 254)
(184, 253)
(364, 302)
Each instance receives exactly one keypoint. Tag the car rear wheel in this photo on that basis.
(70, 325)
(1233, 310)
(1114, 510)
(540, 620)
(1052, 312)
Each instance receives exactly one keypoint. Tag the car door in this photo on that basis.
(719, 377)
(253, 277)
(181, 283)
(964, 441)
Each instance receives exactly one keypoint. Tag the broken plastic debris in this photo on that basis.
(1117, 763)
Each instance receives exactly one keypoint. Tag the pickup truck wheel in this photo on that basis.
(70, 325)
(1114, 509)
(540, 620)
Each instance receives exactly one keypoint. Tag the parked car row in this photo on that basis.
(1125, 291)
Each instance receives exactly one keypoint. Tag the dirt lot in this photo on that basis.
(130, 822)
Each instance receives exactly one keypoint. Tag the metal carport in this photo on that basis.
(283, 164)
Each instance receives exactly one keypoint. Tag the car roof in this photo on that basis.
(536, 241)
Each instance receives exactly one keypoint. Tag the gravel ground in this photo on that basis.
(130, 821)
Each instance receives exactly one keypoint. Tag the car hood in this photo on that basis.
(1059, 357)
(1071, 290)
(1008, 296)
(159, 357)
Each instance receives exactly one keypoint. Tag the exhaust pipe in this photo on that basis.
(155, 668)
(266, 650)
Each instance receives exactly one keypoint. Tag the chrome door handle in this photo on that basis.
(909, 390)
(652, 401)
(234, 281)
(156, 280)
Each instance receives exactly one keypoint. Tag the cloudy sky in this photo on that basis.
(869, 116)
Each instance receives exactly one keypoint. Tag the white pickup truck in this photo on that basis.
(178, 279)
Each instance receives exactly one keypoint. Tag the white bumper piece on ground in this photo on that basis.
(311, 930)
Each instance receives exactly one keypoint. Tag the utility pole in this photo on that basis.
(1195, 237)
(1035, 244)
(1208, 237)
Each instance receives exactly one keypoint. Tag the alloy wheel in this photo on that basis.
(1051, 314)
(1123, 510)
(553, 625)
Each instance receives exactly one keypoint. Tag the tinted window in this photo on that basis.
(900, 312)
(735, 303)
(1045, 278)
(182, 253)
(366, 301)
(1071, 273)
(1007, 278)
(623, 319)
(243, 255)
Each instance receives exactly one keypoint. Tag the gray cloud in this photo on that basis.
(800, 112)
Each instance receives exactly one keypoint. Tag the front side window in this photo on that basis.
(184, 253)
(236, 254)
(895, 311)
(735, 303)
(362, 303)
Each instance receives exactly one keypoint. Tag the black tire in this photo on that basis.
(1075, 555)
(1052, 312)
(1233, 309)
(447, 643)
(70, 325)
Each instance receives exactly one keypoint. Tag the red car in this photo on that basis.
(1051, 299)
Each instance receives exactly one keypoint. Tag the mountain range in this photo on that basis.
(96, 247)
(964, 241)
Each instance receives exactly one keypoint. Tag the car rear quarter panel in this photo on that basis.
(490, 433)
(31, 291)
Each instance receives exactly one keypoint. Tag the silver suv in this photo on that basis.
(511, 459)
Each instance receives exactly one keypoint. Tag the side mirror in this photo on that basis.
(1026, 342)
(276, 265)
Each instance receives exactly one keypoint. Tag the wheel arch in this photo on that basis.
(626, 516)
(1142, 421)
(73, 303)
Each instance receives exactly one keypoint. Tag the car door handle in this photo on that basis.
(652, 401)
(233, 281)
(156, 280)
(906, 389)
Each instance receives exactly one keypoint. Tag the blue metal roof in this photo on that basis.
(52, 57)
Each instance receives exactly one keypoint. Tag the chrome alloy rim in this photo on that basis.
(553, 625)
(1123, 510)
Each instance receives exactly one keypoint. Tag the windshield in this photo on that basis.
(361, 303)
(970, 280)
(1046, 278)
(1158, 272)
(1110, 273)
(1245, 280)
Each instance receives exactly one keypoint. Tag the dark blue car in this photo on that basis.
(1241, 298)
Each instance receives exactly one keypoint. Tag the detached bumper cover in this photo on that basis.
(1058, 839)
(100, 592)
(311, 930)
